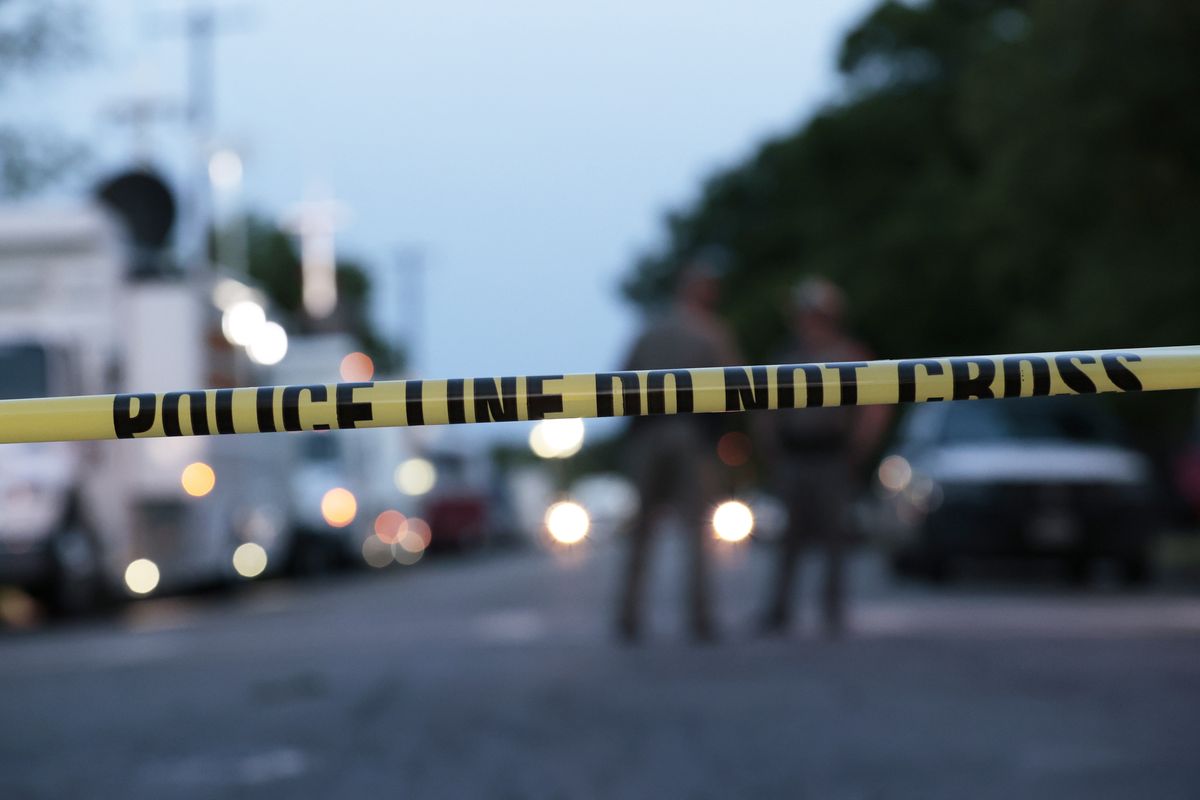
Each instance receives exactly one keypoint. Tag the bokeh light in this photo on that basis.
(250, 560)
(225, 169)
(415, 476)
(567, 522)
(406, 557)
(895, 473)
(141, 576)
(733, 521)
(357, 367)
(418, 531)
(376, 553)
(339, 507)
(412, 541)
(734, 449)
(390, 526)
(242, 322)
(198, 479)
(269, 344)
(228, 291)
(17, 609)
(557, 438)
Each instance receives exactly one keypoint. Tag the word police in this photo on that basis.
(682, 391)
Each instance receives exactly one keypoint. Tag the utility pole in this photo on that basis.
(202, 22)
(410, 267)
(315, 222)
(200, 29)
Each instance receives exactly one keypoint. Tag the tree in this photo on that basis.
(1001, 175)
(275, 266)
(34, 36)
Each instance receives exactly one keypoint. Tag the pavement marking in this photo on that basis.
(255, 769)
(514, 626)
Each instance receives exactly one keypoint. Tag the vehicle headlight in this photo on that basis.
(924, 493)
(567, 522)
(732, 521)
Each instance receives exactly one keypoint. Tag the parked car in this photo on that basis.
(458, 507)
(1038, 477)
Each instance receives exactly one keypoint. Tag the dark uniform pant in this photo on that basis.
(817, 491)
(674, 466)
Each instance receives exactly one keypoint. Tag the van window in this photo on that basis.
(22, 371)
(319, 446)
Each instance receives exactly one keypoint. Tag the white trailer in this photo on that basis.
(80, 520)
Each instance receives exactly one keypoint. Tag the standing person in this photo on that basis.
(816, 453)
(673, 458)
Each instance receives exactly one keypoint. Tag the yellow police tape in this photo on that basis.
(606, 394)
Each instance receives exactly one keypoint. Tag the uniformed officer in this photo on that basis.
(673, 458)
(815, 454)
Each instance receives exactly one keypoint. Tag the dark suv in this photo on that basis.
(1044, 477)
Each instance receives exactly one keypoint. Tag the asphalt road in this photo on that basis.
(496, 676)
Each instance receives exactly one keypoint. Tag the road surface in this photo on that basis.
(496, 676)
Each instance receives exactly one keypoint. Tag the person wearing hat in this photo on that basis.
(673, 458)
(815, 454)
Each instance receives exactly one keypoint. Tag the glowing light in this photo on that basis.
(733, 521)
(416, 476)
(318, 271)
(924, 494)
(315, 222)
(225, 169)
(734, 449)
(377, 554)
(249, 560)
(242, 322)
(390, 526)
(141, 576)
(269, 345)
(339, 507)
(567, 522)
(198, 479)
(228, 291)
(357, 367)
(895, 473)
(418, 531)
(413, 542)
(557, 438)
(17, 608)
(406, 557)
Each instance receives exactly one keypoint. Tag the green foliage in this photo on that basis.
(274, 265)
(1000, 175)
(35, 36)
(31, 159)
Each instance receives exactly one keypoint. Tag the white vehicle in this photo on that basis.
(79, 520)
(341, 480)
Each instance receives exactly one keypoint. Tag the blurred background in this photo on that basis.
(246, 192)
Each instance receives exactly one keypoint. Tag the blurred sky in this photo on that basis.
(531, 147)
